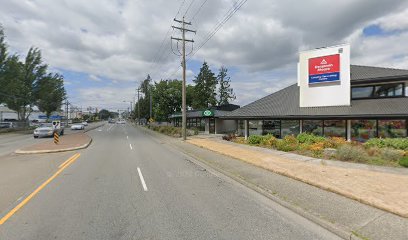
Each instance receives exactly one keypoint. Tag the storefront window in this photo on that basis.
(392, 128)
(313, 126)
(255, 127)
(335, 128)
(290, 127)
(271, 127)
(241, 128)
(362, 130)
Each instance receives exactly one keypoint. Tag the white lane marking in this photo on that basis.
(142, 180)
(130, 145)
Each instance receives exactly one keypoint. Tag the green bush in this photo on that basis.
(309, 138)
(268, 140)
(390, 154)
(351, 153)
(287, 144)
(255, 139)
(404, 161)
(396, 143)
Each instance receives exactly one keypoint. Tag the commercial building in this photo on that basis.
(332, 98)
(208, 120)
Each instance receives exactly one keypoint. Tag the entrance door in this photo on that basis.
(212, 125)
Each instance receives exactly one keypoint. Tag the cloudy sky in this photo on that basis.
(104, 48)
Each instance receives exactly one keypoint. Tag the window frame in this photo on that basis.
(373, 87)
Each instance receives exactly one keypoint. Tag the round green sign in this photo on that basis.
(207, 113)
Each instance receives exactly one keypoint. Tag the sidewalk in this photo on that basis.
(67, 143)
(382, 190)
(346, 217)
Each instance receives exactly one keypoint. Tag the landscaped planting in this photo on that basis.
(172, 131)
(377, 151)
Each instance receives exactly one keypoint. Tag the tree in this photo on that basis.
(205, 88)
(49, 93)
(20, 80)
(225, 91)
(144, 101)
(3, 58)
(104, 114)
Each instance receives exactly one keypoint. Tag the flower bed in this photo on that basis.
(377, 151)
(172, 131)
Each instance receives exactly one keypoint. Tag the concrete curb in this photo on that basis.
(18, 151)
(201, 162)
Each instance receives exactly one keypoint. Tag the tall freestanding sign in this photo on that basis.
(324, 77)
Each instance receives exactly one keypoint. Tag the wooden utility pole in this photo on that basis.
(183, 64)
(138, 106)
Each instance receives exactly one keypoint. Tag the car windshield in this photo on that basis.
(46, 125)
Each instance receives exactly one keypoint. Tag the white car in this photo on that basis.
(78, 126)
(47, 130)
(85, 123)
(121, 121)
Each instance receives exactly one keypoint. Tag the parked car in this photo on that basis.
(47, 130)
(111, 121)
(121, 121)
(85, 123)
(6, 125)
(78, 126)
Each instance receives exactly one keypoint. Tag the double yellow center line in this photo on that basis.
(61, 168)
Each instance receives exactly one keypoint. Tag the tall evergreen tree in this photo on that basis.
(205, 88)
(225, 91)
(3, 58)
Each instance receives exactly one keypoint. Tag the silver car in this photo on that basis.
(47, 130)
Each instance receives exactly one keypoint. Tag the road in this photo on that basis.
(129, 185)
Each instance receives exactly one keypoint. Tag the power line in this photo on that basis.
(199, 9)
(191, 3)
(216, 28)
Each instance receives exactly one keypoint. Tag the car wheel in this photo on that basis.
(62, 133)
(35, 136)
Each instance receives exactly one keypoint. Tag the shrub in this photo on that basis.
(336, 142)
(396, 143)
(268, 140)
(309, 138)
(254, 139)
(317, 148)
(390, 154)
(239, 140)
(351, 153)
(229, 137)
(404, 161)
(289, 143)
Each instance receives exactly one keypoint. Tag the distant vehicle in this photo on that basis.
(111, 121)
(121, 121)
(77, 126)
(47, 130)
(85, 123)
(6, 125)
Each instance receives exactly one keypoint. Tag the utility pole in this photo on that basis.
(183, 63)
(150, 104)
(138, 106)
(66, 108)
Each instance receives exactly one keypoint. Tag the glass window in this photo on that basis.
(361, 92)
(335, 128)
(392, 128)
(378, 91)
(255, 127)
(313, 126)
(362, 130)
(271, 127)
(290, 127)
(241, 128)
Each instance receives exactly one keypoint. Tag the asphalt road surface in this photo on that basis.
(129, 185)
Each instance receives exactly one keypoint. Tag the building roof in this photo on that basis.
(362, 73)
(285, 103)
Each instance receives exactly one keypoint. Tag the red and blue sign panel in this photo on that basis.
(324, 69)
